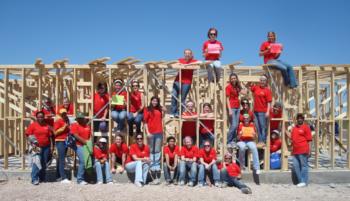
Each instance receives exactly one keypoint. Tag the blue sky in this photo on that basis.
(314, 32)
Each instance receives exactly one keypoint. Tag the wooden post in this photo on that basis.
(317, 110)
(332, 136)
(22, 138)
(348, 116)
(6, 121)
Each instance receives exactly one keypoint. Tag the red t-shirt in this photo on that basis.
(100, 154)
(268, 56)
(250, 113)
(208, 157)
(48, 114)
(233, 169)
(135, 101)
(214, 50)
(209, 123)
(119, 151)
(153, 120)
(275, 145)
(189, 126)
(139, 152)
(233, 94)
(99, 103)
(41, 133)
(186, 74)
(57, 125)
(251, 128)
(70, 110)
(275, 124)
(189, 152)
(84, 131)
(301, 135)
(171, 153)
(262, 96)
(122, 93)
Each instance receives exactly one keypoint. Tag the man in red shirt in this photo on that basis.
(171, 154)
(207, 159)
(81, 132)
(189, 156)
(301, 149)
(186, 81)
(138, 161)
(101, 99)
(39, 135)
(271, 51)
(230, 174)
(262, 104)
(101, 161)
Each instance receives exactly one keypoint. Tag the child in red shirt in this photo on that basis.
(101, 161)
(212, 50)
(301, 149)
(231, 173)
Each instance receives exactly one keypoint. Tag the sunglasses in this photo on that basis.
(206, 145)
(212, 34)
(139, 138)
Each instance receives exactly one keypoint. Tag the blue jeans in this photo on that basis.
(286, 70)
(167, 175)
(184, 166)
(232, 133)
(231, 181)
(40, 175)
(79, 150)
(213, 171)
(135, 120)
(61, 150)
(242, 150)
(99, 174)
(204, 137)
(260, 124)
(214, 68)
(155, 142)
(101, 126)
(119, 117)
(185, 88)
(300, 167)
(139, 168)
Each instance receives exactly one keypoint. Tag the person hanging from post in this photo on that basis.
(101, 99)
(271, 51)
(153, 123)
(262, 103)
(212, 51)
(39, 138)
(301, 149)
(135, 114)
(119, 101)
(233, 89)
(186, 81)
(206, 126)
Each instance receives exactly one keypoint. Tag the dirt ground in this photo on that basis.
(23, 190)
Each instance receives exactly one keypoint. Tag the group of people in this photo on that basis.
(247, 126)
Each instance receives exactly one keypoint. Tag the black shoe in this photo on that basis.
(246, 190)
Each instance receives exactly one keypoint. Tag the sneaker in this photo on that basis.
(36, 182)
(182, 183)
(300, 185)
(83, 183)
(100, 182)
(217, 184)
(190, 184)
(167, 183)
(138, 184)
(155, 182)
(171, 116)
(111, 182)
(65, 181)
(246, 190)
(224, 185)
(200, 185)
(175, 182)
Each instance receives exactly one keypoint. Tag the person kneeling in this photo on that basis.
(207, 158)
(231, 173)
(101, 161)
(138, 161)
